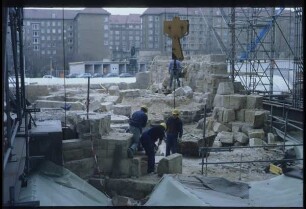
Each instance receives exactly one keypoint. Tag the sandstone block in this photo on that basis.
(122, 110)
(256, 142)
(241, 137)
(106, 106)
(113, 90)
(254, 102)
(225, 88)
(84, 168)
(256, 133)
(225, 137)
(170, 164)
(240, 115)
(271, 138)
(237, 101)
(228, 115)
(218, 127)
(222, 101)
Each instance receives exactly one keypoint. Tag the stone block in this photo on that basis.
(225, 137)
(237, 101)
(119, 119)
(246, 127)
(271, 138)
(217, 143)
(228, 115)
(241, 137)
(170, 164)
(122, 110)
(113, 90)
(184, 91)
(216, 58)
(218, 127)
(256, 133)
(84, 168)
(225, 88)
(256, 142)
(237, 126)
(143, 80)
(132, 93)
(113, 99)
(59, 104)
(106, 106)
(71, 144)
(222, 101)
(254, 102)
(256, 118)
(217, 113)
(240, 115)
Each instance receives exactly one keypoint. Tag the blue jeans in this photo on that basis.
(174, 74)
(135, 139)
(171, 144)
(148, 146)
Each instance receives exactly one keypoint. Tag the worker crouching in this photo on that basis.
(148, 139)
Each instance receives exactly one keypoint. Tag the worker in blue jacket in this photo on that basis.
(174, 132)
(137, 122)
(148, 140)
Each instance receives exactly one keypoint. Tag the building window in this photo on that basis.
(35, 26)
(53, 31)
(54, 51)
(70, 34)
(43, 52)
(48, 52)
(48, 23)
(35, 33)
(59, 37)
(53, 23)
(28, 23)
(70, 27)
(70, 41)
(105, 27)
(117, 32)
(106, 19)
(36, 48)
(48, 38)
(48, 30)
(53, 38)
(70, 48)
(43, 38)
(105, 35)
(105, 43)
(53, 15)
(42, 30)
(35, 41)
(59, 30)
(150, 18)
(53, 44)
(59, 23)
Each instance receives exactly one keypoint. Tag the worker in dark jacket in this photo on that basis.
(137, 122)
(174, 131)
(148, 139)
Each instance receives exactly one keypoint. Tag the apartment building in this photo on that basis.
(49, 34)
(199, 39)
(125, 33)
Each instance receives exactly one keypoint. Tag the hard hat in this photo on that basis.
(164, 125)
(175, 112)
(144, 107)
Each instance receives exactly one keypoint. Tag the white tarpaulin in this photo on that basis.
(54, 185)
(177, 190)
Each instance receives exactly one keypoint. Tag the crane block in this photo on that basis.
(176, 29)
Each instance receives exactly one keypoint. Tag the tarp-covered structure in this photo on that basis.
(54, 185)
(197, 190)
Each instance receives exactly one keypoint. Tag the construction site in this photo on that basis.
(65, 140)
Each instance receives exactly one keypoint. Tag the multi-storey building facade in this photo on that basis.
(93, 34)
(125, 33)
(49, 34)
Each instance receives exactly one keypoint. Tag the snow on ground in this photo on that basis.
(75, 81)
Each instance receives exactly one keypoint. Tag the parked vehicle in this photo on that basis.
(48, 76)
(72, 75)
(85, 75)
(112, 75)
(125, 75)
(97, 75)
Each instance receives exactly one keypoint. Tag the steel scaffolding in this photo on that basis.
(253, 55)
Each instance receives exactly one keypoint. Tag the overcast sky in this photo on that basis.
(113, 11)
